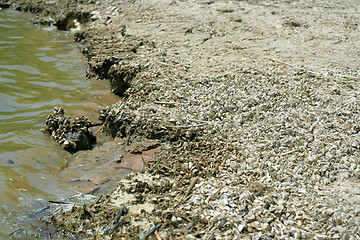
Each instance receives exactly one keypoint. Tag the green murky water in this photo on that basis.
(39, 68)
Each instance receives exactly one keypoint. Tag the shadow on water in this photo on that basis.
(40, 68)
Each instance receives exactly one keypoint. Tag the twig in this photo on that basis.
(163, 166)
(40, 211)
(117, 221)
(155, 83)
(89, 212)
(188, 192)
(279, 61)
(188, 226)
(184, 217)
(352, 82)
(347, 76)
(121, 212)
(58, 202)
(192, 184)
(340, 87)
(157, 235)
(211, 235)
(99, 199)
(216, 192)
(165, 103)
(95, 124)
(101, 127)
(118, 224)
(186, 126)
(17, 230)
(93, 191)
(151, 231)
(252, 38)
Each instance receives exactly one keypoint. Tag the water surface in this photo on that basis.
(40, 68)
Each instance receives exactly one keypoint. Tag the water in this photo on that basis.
(39, 68)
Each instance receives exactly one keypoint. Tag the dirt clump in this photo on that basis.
(72, 134)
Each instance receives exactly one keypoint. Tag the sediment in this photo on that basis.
(255, 107)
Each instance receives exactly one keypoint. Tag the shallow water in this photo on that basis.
(40, 68)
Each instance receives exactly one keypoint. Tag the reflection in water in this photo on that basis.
(39, 68)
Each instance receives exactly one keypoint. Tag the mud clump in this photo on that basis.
(72, 134)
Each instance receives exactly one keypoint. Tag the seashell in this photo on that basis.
(302, 190)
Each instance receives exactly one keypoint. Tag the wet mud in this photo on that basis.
(99, 170)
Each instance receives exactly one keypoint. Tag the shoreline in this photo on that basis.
(252, 143)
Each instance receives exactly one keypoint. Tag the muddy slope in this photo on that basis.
(255, 103)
